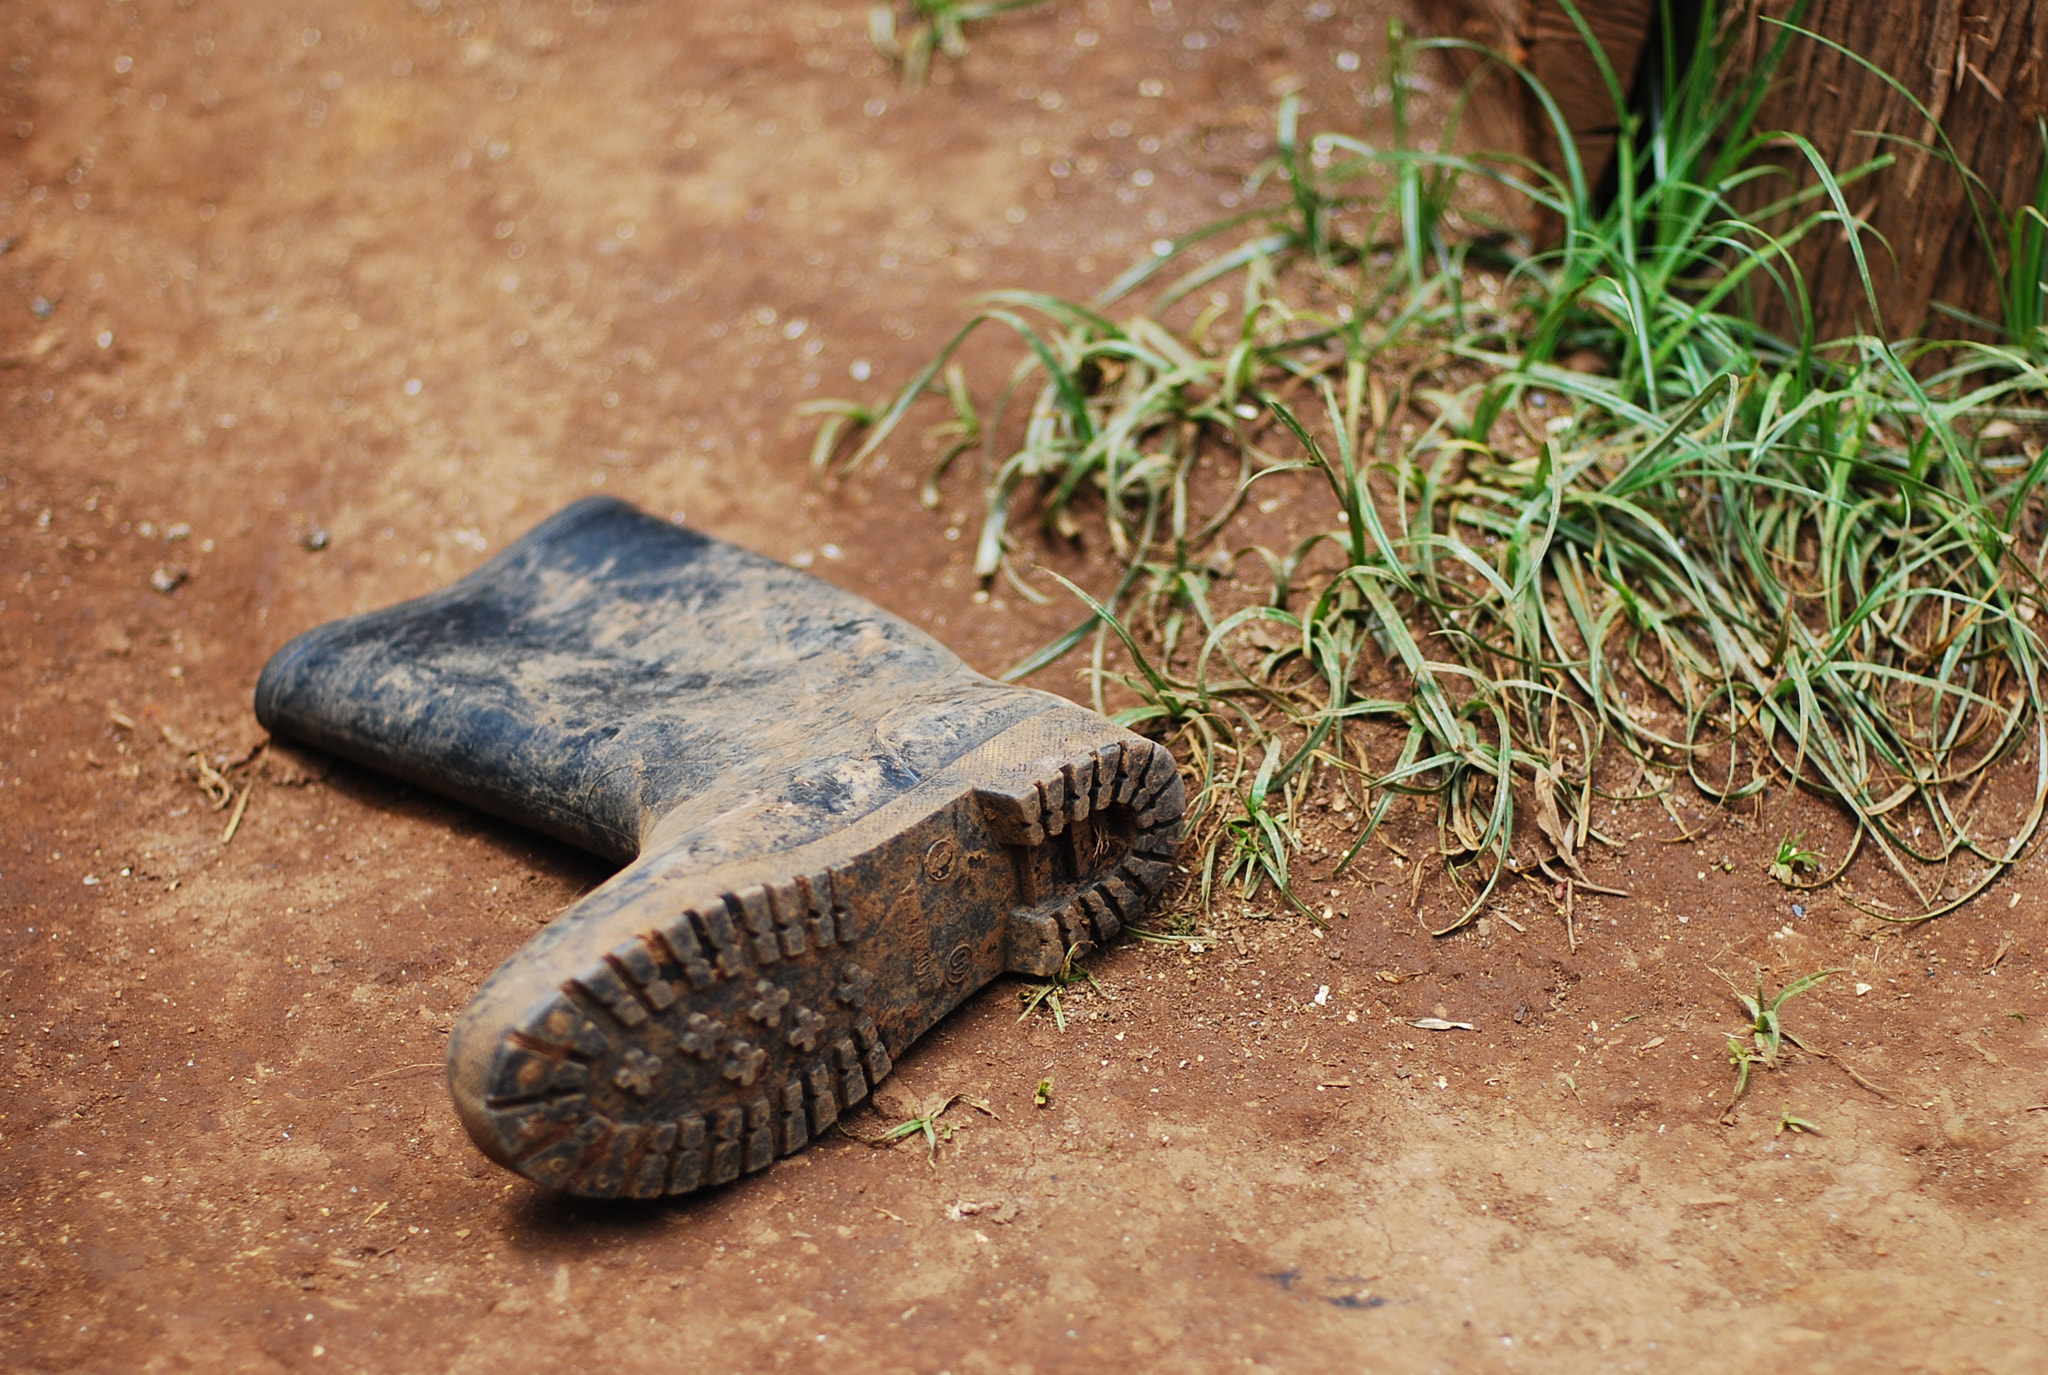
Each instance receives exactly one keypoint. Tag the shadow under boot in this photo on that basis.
(833, 832)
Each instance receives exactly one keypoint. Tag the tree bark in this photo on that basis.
(1978, 67)
(1541, 36)
(1560, 59)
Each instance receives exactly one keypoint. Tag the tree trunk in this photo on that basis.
(1978, 67)
(1559, 58)
(1541, 35)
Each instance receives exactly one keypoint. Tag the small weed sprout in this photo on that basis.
(1797, 1125)
(926, 1119)
(926, 28)
(1793, 857)
(1041, 1096)
(839, 418)
(1052, 991)
(1766, 1031)
(1741, 1057)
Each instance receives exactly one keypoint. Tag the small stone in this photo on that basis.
(169, 577)
(314, 540)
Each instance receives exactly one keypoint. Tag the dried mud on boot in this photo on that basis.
(834, 832)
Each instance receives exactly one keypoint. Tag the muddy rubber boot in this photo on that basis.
(834, 832)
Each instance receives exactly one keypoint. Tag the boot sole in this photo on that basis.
(734, 1014)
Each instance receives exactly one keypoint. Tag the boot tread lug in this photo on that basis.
(819, 918)
(1125, 900)
(722, 939)
(603, 984)
(874, 1055)
(853, 1083)
(556, 1164)
(725, 1145)
(1150, 875)
(1159, 773)
(1166, 810)
(840, 884)
(795, 1131)
(686, 1168)
(639, 966)
(791, 906)
(682, 942)
(1079, 776)
(650, 1173)
(760, 1134)
(561, 1025)
(1160, 841)
(1108, 766)
(1052, 803)
(824, 1108)
(1077, 922)
(1102, 917)
(604, 1169)
(1012, 814)
(520, 1073)
(752, 907)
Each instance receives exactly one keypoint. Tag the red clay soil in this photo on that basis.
(307, 308)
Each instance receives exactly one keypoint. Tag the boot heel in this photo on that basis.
(1093, 840)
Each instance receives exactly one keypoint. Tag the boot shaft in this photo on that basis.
(611, 669)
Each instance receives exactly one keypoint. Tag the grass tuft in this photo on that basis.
(926, 1120)
(1052, 993)
(1766, 1030)
(1589, 529)
(1792, 859)
(911, 35)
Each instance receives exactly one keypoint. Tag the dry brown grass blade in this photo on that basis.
(235, 817)
(1842, 1065)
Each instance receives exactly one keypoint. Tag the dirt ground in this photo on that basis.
(307, 307)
